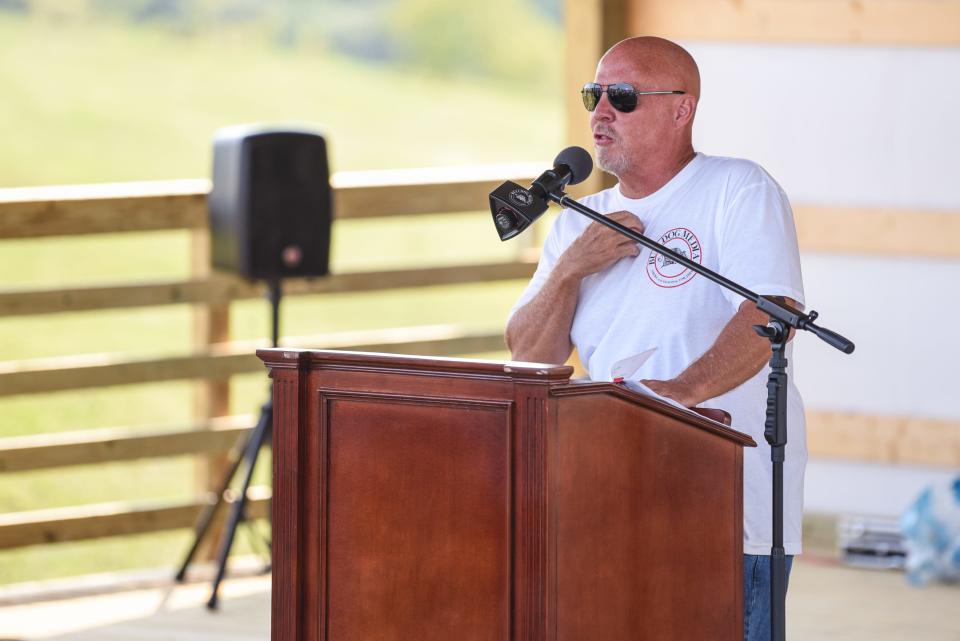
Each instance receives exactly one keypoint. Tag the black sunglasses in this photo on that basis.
(622, 95)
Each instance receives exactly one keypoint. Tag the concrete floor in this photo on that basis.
(829, 601)
(826, 602)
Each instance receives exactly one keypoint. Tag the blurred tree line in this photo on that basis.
(512, 40)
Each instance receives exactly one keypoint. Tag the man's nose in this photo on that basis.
(604, 111)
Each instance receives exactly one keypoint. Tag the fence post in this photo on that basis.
(211, 325)
(591, 27)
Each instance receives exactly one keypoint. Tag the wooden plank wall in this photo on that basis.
(896, 22)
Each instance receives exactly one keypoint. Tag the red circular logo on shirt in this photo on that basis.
(662, 269)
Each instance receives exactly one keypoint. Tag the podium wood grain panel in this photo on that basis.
(428, 499)
(649, 526)
(418, 519)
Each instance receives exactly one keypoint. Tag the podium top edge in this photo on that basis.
(690, 416)
(295, 358)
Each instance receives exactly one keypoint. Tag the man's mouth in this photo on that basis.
(601, 138)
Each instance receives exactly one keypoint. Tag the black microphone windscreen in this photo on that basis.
(578, 160)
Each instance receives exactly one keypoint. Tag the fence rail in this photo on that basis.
(222, 288)
(222, 361)
(36, 212)
(61, 525)
(110, 445)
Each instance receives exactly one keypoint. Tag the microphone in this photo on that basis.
(514, 208)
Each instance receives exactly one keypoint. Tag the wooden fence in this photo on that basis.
(103, 209)
(48, 212)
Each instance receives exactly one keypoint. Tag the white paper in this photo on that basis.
(626, 368)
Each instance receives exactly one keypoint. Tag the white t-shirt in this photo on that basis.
(730, 216)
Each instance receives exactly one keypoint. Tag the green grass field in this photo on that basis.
(104, 103)
(101, 103)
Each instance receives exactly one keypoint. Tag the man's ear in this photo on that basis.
(686, 107)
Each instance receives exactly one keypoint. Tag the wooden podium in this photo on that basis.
(427, 499)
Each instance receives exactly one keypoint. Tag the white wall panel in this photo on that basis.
(845, 125)
(855, 487)
(901, 313)
(857, 126)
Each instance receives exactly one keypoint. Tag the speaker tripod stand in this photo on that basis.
(244, 455)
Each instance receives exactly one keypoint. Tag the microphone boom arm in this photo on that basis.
(787, 314)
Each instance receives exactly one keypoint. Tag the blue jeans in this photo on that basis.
(756, 596)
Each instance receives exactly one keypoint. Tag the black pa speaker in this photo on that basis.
(270, 205)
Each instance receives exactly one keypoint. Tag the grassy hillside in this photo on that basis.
(105, 103)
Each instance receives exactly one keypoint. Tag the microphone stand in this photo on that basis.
(782, 318)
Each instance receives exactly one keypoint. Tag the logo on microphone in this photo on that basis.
(520, 197)
(663, 269)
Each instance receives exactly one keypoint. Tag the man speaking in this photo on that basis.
(602, 293)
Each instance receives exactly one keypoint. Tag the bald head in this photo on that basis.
(665, 63)
(646, 146)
